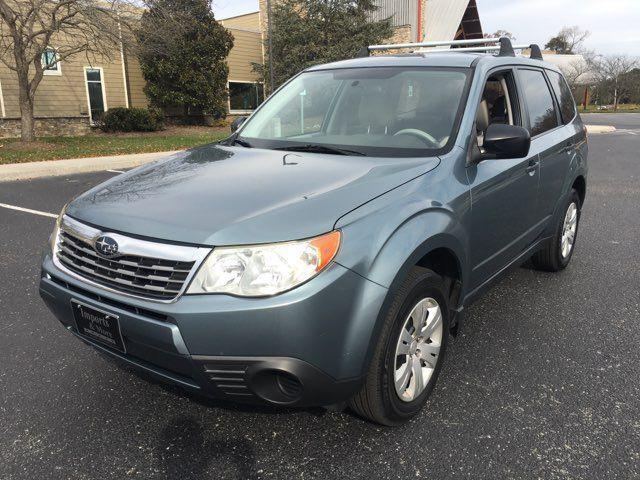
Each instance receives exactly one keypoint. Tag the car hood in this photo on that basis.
(215, 195)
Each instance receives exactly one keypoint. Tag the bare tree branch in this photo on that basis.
(28, 28)
(613, 71)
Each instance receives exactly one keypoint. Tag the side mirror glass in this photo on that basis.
(235, 125)
(506, 141)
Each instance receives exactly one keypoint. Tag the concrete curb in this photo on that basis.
(50, 168)
(600, 128)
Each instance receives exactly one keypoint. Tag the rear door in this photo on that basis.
(547, 140)
(555, 169)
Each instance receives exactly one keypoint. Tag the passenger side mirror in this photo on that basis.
(506, 141)
(235, 125)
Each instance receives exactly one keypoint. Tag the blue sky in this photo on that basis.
(614, 24)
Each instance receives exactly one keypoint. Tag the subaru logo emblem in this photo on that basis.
(106, 246)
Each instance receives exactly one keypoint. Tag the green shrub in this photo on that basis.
(131, 120)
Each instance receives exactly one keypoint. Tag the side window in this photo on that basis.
(245, 96)
(542, 111)
(50, 62)
(564, 96)
(499, 104)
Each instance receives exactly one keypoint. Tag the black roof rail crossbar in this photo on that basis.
(535, 52)
(504, 46)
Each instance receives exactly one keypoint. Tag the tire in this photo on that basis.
(553, 257)
(379, 399)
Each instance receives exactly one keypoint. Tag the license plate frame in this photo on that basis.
(98, 325)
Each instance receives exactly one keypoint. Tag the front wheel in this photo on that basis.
(558, 252)
(409, 353)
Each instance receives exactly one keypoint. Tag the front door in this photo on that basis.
(504, 193)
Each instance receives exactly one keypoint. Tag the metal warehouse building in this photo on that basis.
(425, 20)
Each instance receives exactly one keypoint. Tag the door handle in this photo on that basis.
(532, 166)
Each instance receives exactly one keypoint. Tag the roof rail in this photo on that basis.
(535, 52)
(504, 47)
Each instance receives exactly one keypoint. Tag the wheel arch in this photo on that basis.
(441, 253)
(580, 185)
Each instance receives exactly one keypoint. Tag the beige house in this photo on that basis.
(245, 92)
(75, 91)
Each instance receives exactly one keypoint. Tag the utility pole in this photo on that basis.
(270, 47)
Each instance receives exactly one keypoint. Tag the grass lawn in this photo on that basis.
(99, 144)
(622, 108)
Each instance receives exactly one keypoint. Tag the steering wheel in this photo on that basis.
(424, 136)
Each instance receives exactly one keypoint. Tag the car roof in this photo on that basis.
(435, 59)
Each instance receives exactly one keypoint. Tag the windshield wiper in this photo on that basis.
(242, 143)
(317, 148)
(235, 140)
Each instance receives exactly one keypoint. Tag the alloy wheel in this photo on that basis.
(569, 228)
(418, 349)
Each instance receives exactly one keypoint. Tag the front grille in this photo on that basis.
(154, 278)
(143, 312)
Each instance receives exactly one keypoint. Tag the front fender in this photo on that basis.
(386, 254)
(393, 252)
(386, 237)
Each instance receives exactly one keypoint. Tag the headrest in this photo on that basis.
(499, 106)
(482, 117)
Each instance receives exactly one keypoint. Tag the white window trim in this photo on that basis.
(58, 71)
(4, 113)
(86, 86)
(242, 112)
(124, 69)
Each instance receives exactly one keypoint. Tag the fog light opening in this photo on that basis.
(277, 386)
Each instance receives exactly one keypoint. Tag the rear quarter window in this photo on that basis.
(540, 106)
(564, 96)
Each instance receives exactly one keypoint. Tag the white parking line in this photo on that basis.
(115, 171)
(28, 210)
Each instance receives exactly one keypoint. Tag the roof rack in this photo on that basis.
(502, 45)
(535, 52)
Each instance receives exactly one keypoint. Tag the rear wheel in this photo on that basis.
(409, 353)
(558, 252)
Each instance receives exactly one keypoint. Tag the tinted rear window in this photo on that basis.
(564, 96)
(542, 112)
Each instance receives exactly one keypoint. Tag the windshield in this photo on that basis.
(386, 111)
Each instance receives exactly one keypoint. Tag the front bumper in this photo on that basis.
(305, 347)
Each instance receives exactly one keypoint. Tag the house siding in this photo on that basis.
(65, 95)
(247, 49)
(250, 21)
(61, 103)
(136, 83)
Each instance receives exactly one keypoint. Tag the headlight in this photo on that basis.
(53, 239)
(261, 270)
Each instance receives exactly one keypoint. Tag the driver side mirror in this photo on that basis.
(506, 141)
(235, 125)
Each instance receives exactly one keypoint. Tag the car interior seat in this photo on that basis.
(482, 121)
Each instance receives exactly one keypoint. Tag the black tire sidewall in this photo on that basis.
(562, 261)
(429, 285)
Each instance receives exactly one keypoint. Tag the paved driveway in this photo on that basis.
(544, 381)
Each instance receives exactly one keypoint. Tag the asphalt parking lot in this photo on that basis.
(543, 382)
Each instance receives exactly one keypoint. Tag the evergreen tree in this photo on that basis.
(309, 32)
(183, 52)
